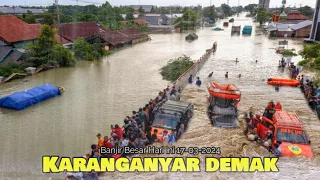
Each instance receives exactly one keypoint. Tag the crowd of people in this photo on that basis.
(311, 92)
(256, 127)
(135, 132)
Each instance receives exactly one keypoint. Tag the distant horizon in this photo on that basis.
(204, 3)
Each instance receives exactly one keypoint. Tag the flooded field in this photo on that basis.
(101, 93)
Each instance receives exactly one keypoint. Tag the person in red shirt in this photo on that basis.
(255, 120)
(278, 106)
(106, 142)
(118, 131)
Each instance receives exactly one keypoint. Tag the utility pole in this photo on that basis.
(58, 15)
(228, 2)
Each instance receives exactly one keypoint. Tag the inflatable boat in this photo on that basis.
(229, 91)
(283, 82)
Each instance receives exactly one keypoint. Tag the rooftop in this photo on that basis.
(302, 24)
(12, 29)
(72, 31)
(121, 36)
(137, 21)
(20, 10)
(146, 8)
(296, 15)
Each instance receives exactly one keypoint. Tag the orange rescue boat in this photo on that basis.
(283, 82)
(229, 91)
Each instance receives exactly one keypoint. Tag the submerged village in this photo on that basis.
(236, 81)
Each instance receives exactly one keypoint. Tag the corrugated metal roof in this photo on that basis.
(2, 43)
(72, 31)
(19, 10)
(302, 24)
(146, 8)
(4, 51)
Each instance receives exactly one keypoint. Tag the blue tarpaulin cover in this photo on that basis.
(24, 99)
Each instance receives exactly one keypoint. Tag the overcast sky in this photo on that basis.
(273, 3)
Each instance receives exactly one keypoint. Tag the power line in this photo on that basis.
(58, 15)
(90, 2)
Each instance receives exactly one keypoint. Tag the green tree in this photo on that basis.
(46, 40)
(9, 68)
(176, 67)
(62, 56)
(84, 51)
(226, 10)
(82, 17)
(129, 16)
(311, 56)
(140, 10)
(37, 54)
(262, 15)
(210, 12)
(66, 18)
(30, 19)
(250, 8)
(307, 11)
(48, 19)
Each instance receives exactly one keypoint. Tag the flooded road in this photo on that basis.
(101, 93)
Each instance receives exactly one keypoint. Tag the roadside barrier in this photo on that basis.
(181, 82)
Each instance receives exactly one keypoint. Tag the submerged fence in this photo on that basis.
(181, 82)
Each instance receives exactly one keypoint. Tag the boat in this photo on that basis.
(218, 29)
(23, 99)
(223, 105)
(283, 82)
(229, 91)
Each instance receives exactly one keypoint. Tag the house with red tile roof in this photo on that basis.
(93, 33)
(73, 31)
(14, 35)
(17, 33)
(296, 16)
(123, 37)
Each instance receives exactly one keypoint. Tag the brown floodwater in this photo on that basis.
(99, 94)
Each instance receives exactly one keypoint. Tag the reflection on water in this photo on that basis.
(99, 94)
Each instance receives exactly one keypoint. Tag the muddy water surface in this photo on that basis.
(100, 94)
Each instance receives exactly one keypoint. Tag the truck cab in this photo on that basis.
(288, 129)
(170, 115)
(223, 112)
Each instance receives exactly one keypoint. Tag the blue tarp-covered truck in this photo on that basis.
(23, 99)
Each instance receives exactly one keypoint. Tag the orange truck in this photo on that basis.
(289, 131)
(170, 115)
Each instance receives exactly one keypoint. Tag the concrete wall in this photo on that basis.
(304, 32)
(282, 33)
(181, 82)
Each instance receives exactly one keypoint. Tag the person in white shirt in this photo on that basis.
(165, 138)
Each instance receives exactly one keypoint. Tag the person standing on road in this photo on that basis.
(198, 82)
(226, 75)
(190, 79)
